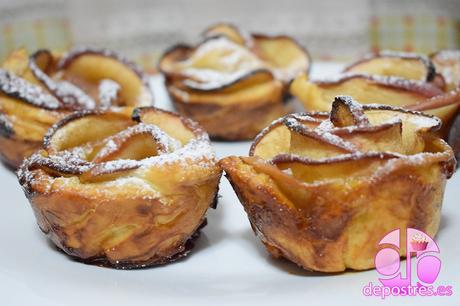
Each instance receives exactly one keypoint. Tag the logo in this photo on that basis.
(397, 281)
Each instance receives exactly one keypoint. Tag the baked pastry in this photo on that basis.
(321, 189)
(122, 188)
(406, 80)
(447, 63)
(395, 78)
(233, 83)
(38, 90)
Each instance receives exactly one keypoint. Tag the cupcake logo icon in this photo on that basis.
(418, 245)
(419, 242)
(414, 276)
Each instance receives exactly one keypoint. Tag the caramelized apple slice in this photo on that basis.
(108, 123)
(284, 55)
(399, 64)
(316, 95)
(346, 167)
(86, 68)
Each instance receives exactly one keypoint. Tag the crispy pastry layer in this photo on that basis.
(322, 189)
(123, 188)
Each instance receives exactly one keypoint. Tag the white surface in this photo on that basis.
(229, 266)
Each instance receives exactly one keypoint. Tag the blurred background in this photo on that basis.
(143, 29)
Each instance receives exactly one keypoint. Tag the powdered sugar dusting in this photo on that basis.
(197, 152)
(16, 87)
(108, 92)
(70, 95)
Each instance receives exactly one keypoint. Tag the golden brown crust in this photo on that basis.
(131, 192)
(38, 90)
(233, 83)
(329, 192)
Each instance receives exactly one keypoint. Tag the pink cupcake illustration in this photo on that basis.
(419, 242)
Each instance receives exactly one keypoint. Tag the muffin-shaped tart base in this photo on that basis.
(321, 190)
(121, 188)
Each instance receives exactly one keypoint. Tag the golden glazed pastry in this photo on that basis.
(322, 189)
(120, 188)
(38, 90)
(400, 79)
(233, 83)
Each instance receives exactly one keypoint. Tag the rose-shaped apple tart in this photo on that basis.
(233, 83)
(38, 90)
(321, 189)
(400, 79)
(121, 188)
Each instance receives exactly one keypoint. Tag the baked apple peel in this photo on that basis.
(233, 83)
(321, 189)
(130, 192)
(38, 90)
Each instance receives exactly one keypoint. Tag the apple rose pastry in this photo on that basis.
(400, 79)
(38, 90)
(120, 188)
(233, 83)
(321, 189)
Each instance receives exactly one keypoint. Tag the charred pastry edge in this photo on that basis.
(6, 126)
(289, 158)
(426, 61)
(423, 88)
(281, 121)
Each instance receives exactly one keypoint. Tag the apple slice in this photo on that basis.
(399, 64)
(80, 126)
(87, 67)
